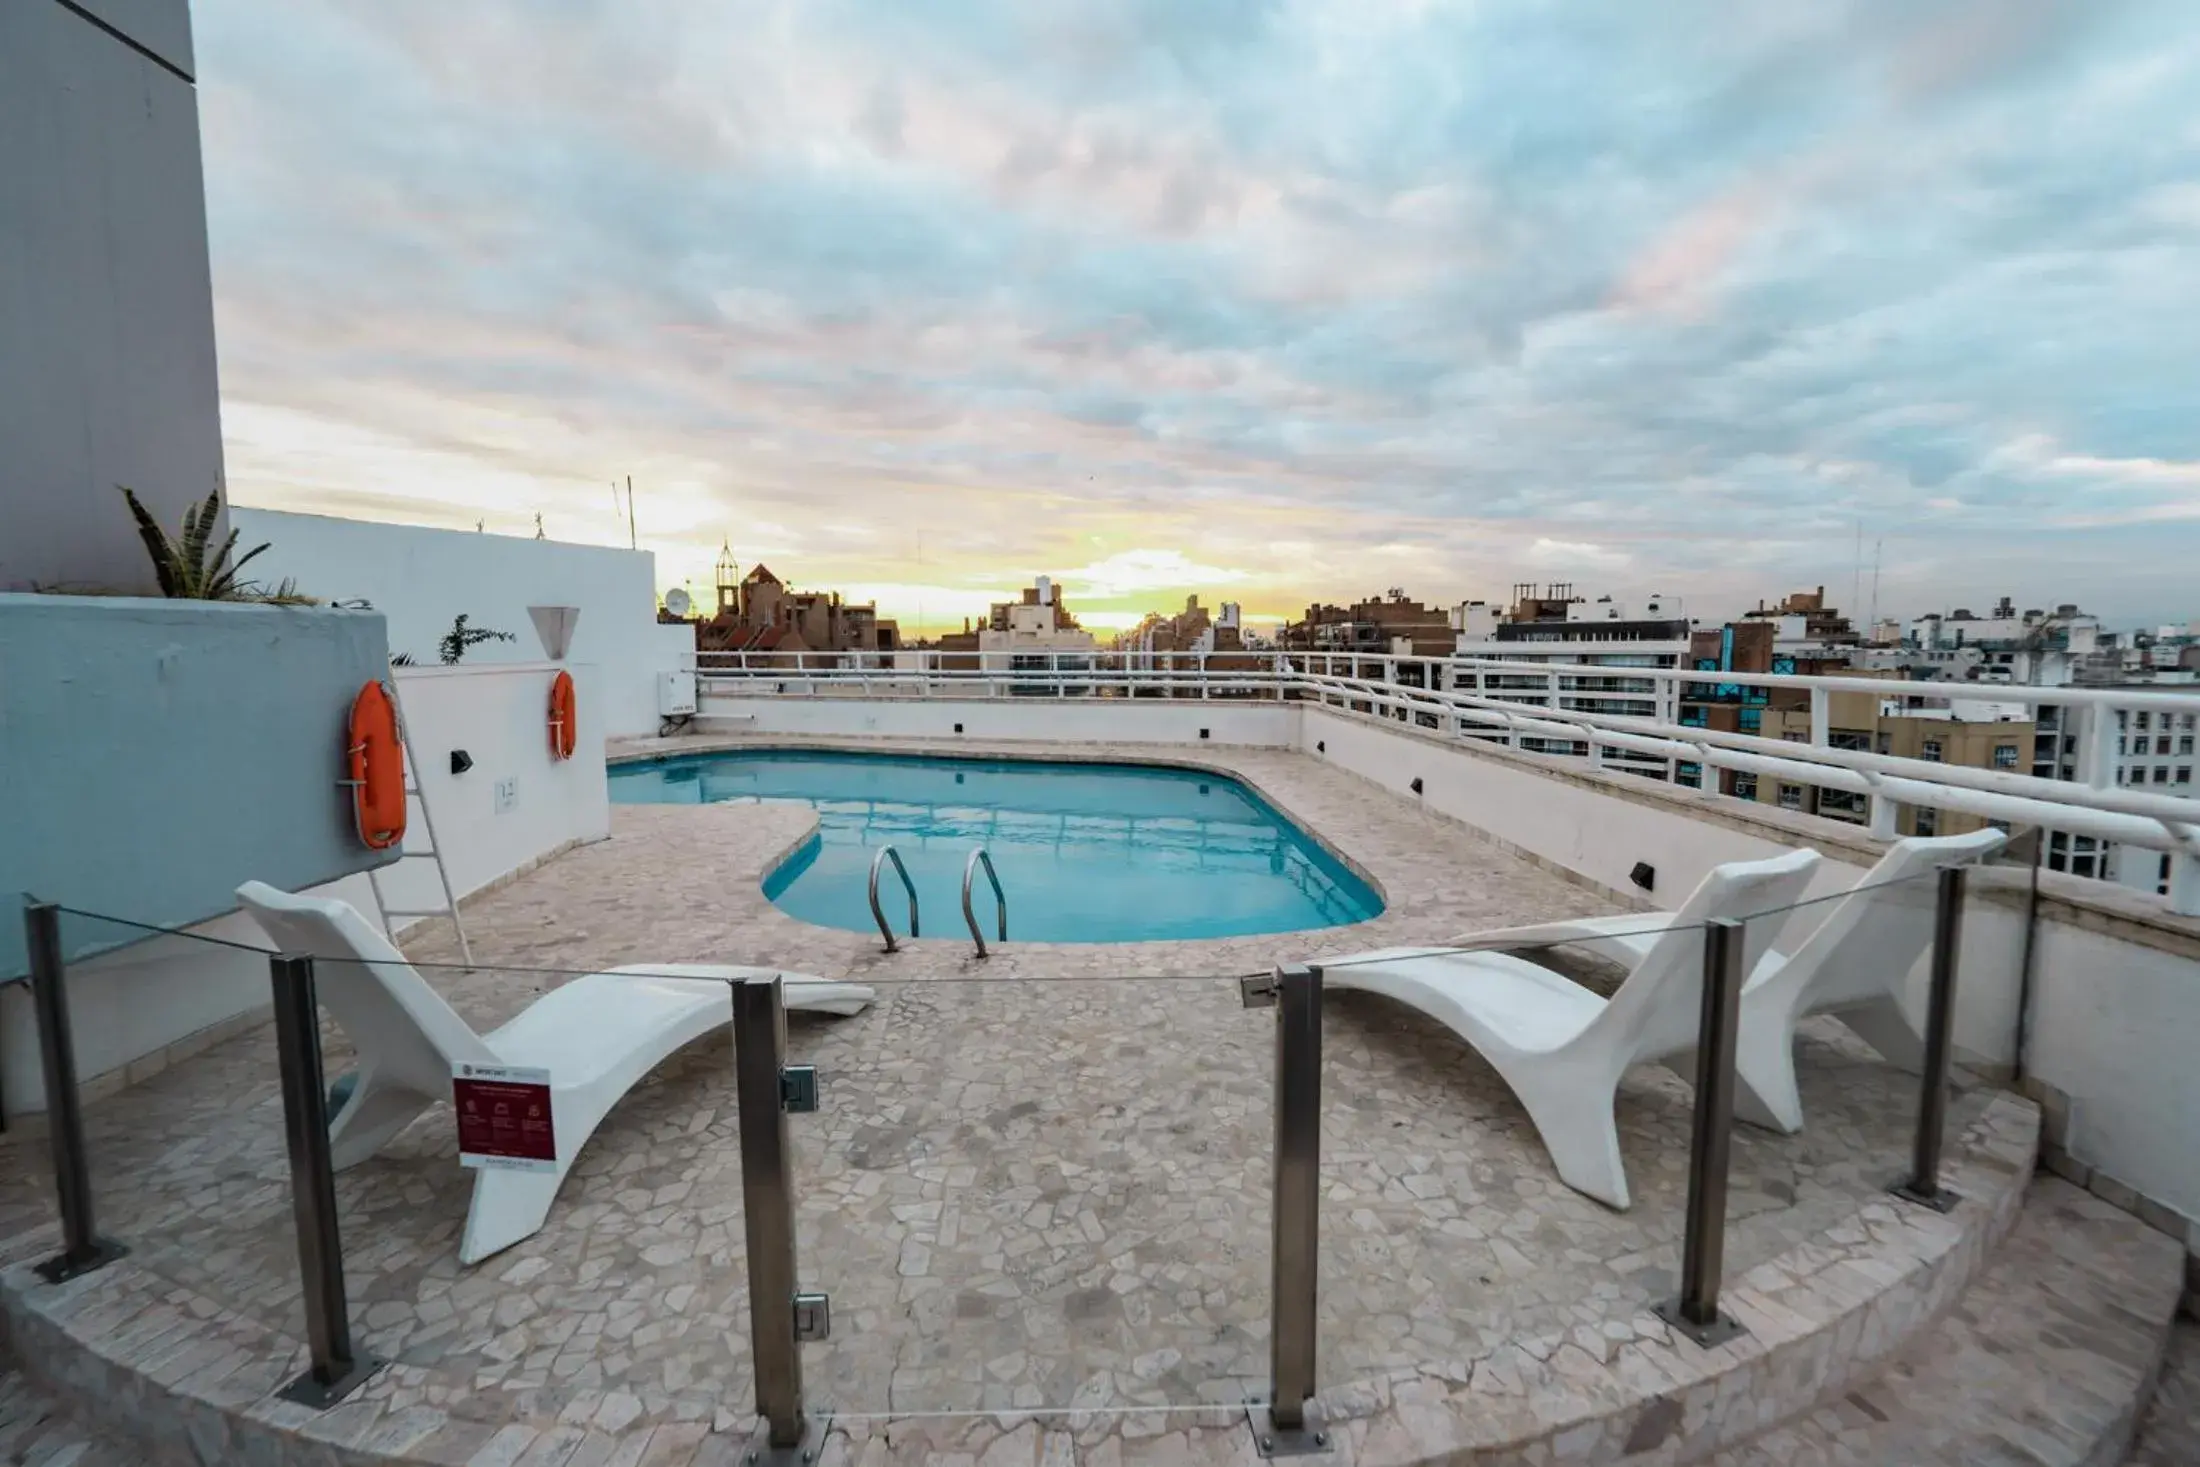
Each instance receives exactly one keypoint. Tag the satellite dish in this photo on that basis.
(677, 602)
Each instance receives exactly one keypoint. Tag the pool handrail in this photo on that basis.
(878, 914)
(980, 857)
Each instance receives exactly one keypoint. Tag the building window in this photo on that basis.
(2141, 721)
(2005, 756)
(2184, 774)
(2161, 745)
(2120, 746)
(2161, 774)
(1930, 754)
(1791, 797)
(1928, 822)
(2184, 745)
(1841, 802)
(2081, 865)
(1745, 786)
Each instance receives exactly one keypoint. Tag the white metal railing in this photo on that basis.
(1501, 699)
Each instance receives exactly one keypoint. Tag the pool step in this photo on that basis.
(2048, 1360)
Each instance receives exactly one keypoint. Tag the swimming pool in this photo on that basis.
(1085, 852)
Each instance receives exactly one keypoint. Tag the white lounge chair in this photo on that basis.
(1560, 1047)
(1854, 965)
(1627, 937)
(597, 1036)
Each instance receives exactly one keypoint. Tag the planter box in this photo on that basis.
(154, 754)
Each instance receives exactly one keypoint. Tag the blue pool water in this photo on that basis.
(1086, 852)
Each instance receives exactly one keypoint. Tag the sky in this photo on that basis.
(1266, 301)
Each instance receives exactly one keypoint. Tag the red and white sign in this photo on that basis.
(504, 1118)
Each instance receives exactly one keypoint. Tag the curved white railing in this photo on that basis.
(1455, 697)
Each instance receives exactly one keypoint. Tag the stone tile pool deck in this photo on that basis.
(1036, 1181)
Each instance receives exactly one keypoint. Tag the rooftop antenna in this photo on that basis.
(631, 542)
(1856, 586)
(538, 526)
(1877, 546)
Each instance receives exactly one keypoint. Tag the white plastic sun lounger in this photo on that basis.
(1854, 966)
(597, 1036)
(1626, 937)
(1560, 1047)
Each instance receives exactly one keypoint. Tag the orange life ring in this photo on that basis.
(564, 722)
(375, 756)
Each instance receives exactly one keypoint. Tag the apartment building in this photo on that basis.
(1392, 624)
(1803, 625)
(1194, 629)
(1752, 645)
(759, 612)
(1551, 625)
(2068, 647)
(1866, 722)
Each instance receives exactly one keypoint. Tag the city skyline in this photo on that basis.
(1278, 304)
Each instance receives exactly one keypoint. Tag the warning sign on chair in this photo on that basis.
(504, 1118)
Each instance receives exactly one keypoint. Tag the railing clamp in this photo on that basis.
(798, 1089)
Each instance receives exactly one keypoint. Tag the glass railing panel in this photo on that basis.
(1038, 1195)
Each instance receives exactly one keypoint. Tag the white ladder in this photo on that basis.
(434, 852)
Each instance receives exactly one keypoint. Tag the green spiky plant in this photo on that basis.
(185, 568)
(461, 636)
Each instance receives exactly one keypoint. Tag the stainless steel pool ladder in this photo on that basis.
(979, 858)
(878, 913)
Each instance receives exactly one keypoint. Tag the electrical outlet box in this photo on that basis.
(507, 794)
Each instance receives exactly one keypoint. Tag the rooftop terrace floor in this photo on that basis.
(1038, 1193)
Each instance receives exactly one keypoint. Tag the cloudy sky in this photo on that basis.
(1267, 301)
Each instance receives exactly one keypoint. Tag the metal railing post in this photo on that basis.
(1703, 1249)
(337, 1369)
(82, 1249)
(1285, 1425)
(787, 1435)
(1923, 1184)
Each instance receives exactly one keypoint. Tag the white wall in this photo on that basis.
(1082, 720)
(2116, 1027)
(131, 1003)
(499, 716)
(421, 579)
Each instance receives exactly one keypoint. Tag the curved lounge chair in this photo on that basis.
(597, 1036)
(1560, 1047)
(1853, 966)
(1628, 936)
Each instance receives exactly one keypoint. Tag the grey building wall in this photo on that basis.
(107, 368)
